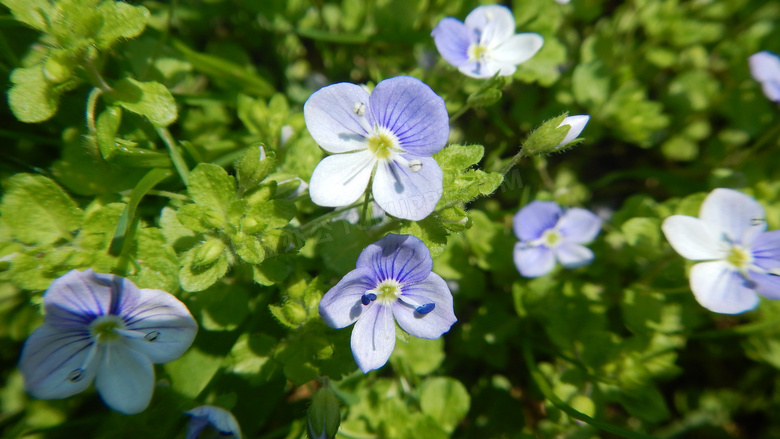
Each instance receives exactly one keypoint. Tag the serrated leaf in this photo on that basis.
(273, 214)
(455, 158)
(32, 98)
(250, 170)
(120, 20)
(430, 231)
(200, 218)
(196, 277)
(38, 211)
(150, 99)
(248, 247)
(252, 357)
(210, 185)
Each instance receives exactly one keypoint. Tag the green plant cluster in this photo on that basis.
(165, 142)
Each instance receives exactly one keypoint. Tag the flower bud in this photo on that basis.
(324, 415)
(208, 252)
(554, 134)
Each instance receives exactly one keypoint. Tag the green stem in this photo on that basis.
(746, 329)
(316, 223)
(173, 150)
(515, 160)
(169, 194)
(547, 391)
(460, 112)
(92, 99)
(94, 76)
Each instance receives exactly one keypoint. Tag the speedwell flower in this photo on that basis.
(390, 134)
(486, 43)
(743, 261)
(102, 327)
(765, 68)
(392, 281)
(222, 422)
(548, 232)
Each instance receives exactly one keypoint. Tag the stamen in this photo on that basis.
(359, 108)
(415, 165)
(368, 298)
(152, 336)
(425, 309)
(76, 375)
(757, 221)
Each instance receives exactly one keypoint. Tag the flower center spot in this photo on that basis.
(381, 144)
(387, 291)
(105, 328)
(739, 258)
(551, 238)
(477, 51)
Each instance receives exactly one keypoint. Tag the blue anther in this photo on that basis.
(365, 300)
(425, 309)
(371, 296)
(749, 284)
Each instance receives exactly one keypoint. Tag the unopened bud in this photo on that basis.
(208, 252)
(324, 415)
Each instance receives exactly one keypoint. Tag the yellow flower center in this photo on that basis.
(551, 238)
(477, 51)
(387, 291)
(381, 144)
(739, 258)
(104, 328)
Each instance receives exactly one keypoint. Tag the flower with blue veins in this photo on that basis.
(486, 43)
(740, 261)
(765, 68)
(391, 282)
(548, 233)
(387, 136)
(102, 328)
(218, 423)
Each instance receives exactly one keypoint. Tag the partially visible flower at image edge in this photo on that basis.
(577, 124)
(486, 43)
(388, 135)
(548, 233)
(740, 261)
(392, 282)
(215, 417)
(765, 68)
(102, 327)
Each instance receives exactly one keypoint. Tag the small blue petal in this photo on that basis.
(425, 309)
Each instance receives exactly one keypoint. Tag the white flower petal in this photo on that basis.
(341, 306)
(533, 261)
(764, 66)
(573, 255)
(373, 338)
(692, 238)
(517, 49)
(331, 119)
(435, 323)
(495, 24)
(51, 359)
(125, 379)
(577, 124)
(341, 179)
(734, 214)
(719, 288)
(167, 322)
(404, 193)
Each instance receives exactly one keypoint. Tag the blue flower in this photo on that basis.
(389, 134)
(548, 233)
(102, 327)
(765, 68)
(486, 43)
(392, 282)
(742, 260)
(218, 418)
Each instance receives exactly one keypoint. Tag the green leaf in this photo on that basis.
(191, 373)
(221, 308)
(199, 218)
(32, 98)
(248, 247)
(591, 83)
(430, 231)
(419, 355)
(252, 357)
(250, 170)
(33, 13)
(459, 184)
(196, 273)
(120, 20)
(211, 186)
(38, 211)
(150, 99)
(446, 400)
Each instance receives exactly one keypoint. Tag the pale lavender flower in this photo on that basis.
(486, 43)
(548, 233)
(392, 282)
(389, 134)
(102, 327)
(576, 125)
(742, 260)
(765, 68)
(220, 420)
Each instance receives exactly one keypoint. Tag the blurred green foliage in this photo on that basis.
(165, 142)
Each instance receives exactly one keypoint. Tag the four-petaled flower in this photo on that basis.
(392, 281)
(743, 260)
(548, 232)
(102, 327)
(765, 68)
(486, 43)
(389, 134)
(218, 418)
